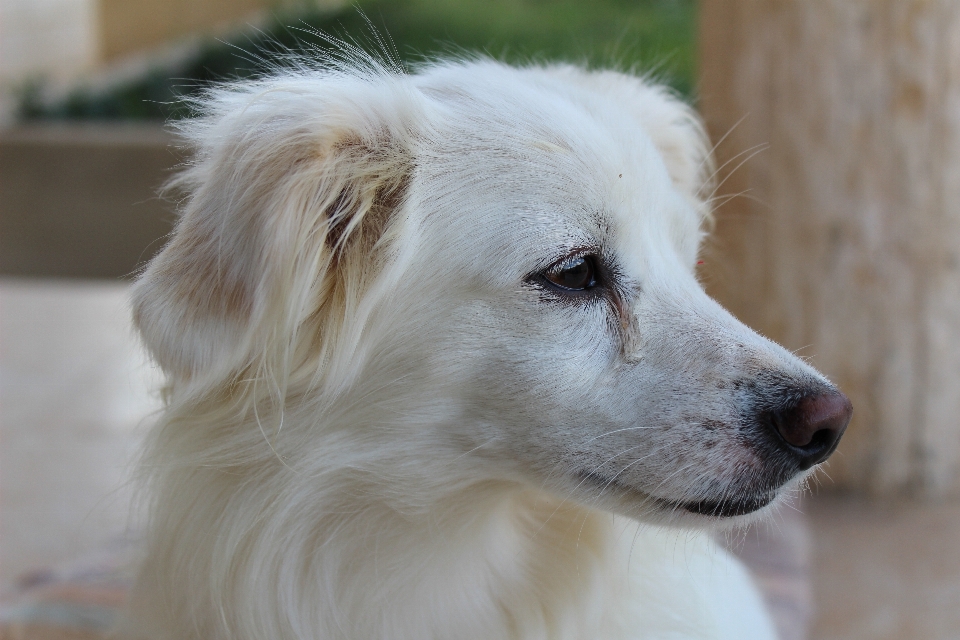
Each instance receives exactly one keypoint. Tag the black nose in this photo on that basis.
(811, 429)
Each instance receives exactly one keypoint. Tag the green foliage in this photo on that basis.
(656, 36)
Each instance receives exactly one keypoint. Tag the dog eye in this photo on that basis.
(573, 274)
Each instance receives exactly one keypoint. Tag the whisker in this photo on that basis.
(608, 433)
(753, 151)
(717, 144)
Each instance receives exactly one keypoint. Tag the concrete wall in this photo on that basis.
(81, 200)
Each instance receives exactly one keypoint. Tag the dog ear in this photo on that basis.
(289, 176)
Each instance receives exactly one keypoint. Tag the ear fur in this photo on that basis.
(289, 176)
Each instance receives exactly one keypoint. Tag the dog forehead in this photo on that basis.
(532, 170)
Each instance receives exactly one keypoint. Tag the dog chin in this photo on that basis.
(633, 502)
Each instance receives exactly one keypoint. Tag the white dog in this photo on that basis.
(424, 334)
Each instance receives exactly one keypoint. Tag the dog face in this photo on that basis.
(493, 264)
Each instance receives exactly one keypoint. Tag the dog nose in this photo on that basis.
(811, 429)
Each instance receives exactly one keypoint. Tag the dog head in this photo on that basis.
(491, 265)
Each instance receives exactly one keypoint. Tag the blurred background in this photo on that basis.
(837, 132)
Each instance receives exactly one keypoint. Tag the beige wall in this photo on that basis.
(43, 38)
(129, 26)
(62, 40)
(59, 39)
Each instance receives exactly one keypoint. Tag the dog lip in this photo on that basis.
(726, 508)
(708, 508)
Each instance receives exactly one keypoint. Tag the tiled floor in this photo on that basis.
(74, 398)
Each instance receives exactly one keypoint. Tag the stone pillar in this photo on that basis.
(844, 240)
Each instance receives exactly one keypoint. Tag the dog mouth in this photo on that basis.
(725, 508)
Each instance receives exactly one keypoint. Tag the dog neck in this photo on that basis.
(493, 559)
(489, 560)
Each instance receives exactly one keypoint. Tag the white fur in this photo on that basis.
(379, 425)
